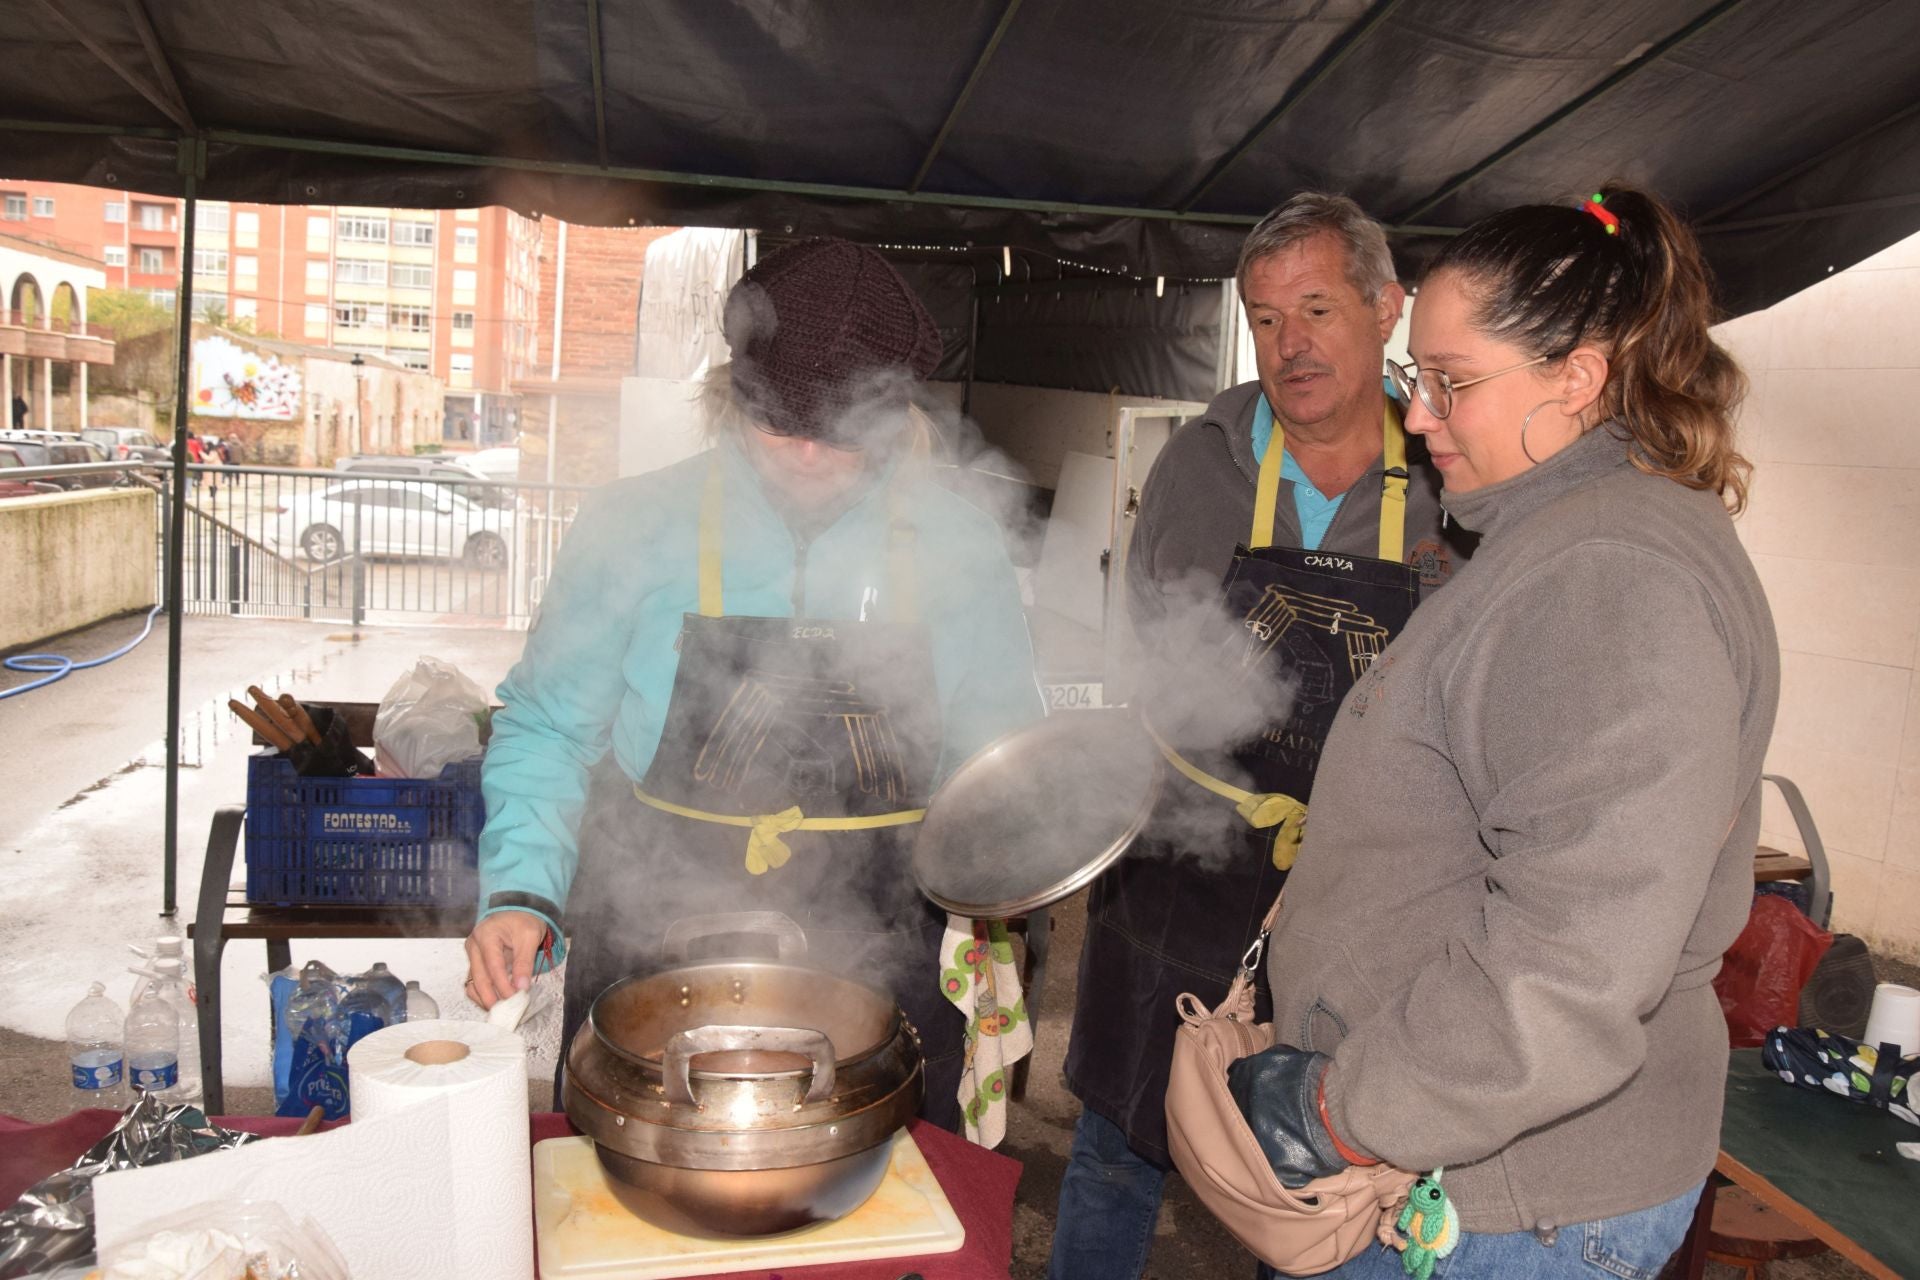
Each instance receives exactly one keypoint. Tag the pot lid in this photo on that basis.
(1037, 815)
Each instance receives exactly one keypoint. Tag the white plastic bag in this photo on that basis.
(430, 718)
(251, 1240)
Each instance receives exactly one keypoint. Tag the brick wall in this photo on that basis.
(602, 305)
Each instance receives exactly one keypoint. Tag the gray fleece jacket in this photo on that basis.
(1508, 950)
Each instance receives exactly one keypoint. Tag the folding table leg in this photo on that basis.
(209, 940)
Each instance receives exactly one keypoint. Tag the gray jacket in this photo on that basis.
(1519, 878)
(1198, 506)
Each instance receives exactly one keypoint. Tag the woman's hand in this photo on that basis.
(500, 955)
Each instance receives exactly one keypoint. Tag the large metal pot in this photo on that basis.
(743, 1097)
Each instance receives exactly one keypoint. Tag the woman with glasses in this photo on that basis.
(750, 668)
(1501, 972)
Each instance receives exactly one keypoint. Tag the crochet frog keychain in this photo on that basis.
(1430, 1226)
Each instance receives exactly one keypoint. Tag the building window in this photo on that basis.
(464, 284)
(116, 211)
(153, 217)
(360, 315)
(418, 361)
(114, 255)
(213, 217)
(16, 209)
(246, 230)
(205, 304)
(316, 275)
(43, 206)
(246, 308)
(317, 227)
(416, 234)
(412, 319)
(466, 237)
(362, 229)
(152, 263)
(317, 315)
(460, 370)
(412, 276)
(463, 320)
(246, 264)
(359, 270)
(162, 296)
(210, 262)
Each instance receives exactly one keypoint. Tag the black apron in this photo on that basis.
(795, 756)
(1180, 910)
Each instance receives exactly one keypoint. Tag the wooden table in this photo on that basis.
(224, 914)
(1825, 1163)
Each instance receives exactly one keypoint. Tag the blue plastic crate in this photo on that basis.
(362, 841)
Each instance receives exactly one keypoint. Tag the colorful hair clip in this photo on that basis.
(1596, 207)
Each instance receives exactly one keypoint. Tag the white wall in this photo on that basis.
(1834, 530)
(1037, 427)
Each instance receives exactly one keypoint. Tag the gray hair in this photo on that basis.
(1312, 213)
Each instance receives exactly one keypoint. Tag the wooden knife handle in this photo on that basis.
(276, 713)
(301, 720)
(267, 729)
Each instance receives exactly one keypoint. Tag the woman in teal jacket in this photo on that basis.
(750, 669)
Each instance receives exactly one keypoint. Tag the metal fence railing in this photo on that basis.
(275, 542)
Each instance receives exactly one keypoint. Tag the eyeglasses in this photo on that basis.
(1436, 389)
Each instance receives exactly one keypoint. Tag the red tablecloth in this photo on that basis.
(978, 1182)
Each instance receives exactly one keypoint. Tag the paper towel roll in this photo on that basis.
(1895, 1018)
(481, 1073)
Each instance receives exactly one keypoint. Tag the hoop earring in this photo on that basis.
(1527, 422)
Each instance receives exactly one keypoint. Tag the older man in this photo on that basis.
(1282, 540)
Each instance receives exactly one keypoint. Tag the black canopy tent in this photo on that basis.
(1113, 137)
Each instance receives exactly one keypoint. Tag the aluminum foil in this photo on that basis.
(52, 1224)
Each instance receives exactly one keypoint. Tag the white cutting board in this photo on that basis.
(583, 1231)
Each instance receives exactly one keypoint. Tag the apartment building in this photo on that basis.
(451, 292)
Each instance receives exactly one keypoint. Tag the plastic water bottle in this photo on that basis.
(316, 1075)
(173, 988)
(363, 1011)
(153, 1046)
(388, 988)
(93, 1048)
(420, 1005)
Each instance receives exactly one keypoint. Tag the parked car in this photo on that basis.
(125, 444)
(496, 464)
(396, 518)
(427, 466)
(10, 460)
(61, 449)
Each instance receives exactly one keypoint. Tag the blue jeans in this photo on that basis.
(1109, 1198)
(1633, 1246)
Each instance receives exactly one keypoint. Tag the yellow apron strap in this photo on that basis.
(1260, 809)
(902, 582)
(765, 849)
(712, 500)
(1393, 494)
(1266, 494)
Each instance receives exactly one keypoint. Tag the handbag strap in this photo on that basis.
(1240, 993)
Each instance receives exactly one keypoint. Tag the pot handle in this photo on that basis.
(676, 1060)
(789, 938)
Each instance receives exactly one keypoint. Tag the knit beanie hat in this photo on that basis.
(825, 337)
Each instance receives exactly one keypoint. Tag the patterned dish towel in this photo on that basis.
(984, 983)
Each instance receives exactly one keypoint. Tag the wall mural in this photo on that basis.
(230, 381)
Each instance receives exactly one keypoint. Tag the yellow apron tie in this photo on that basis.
(1261, 810)
(1393, 493)
(765, 849)
(712, 498)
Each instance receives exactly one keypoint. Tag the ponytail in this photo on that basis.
(1623, 273)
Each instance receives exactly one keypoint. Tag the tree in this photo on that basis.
(126, 313)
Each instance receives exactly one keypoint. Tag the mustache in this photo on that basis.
(1300, 365)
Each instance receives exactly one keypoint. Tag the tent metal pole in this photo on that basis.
(1652, 55)
(966, 92)
(171, 110)
(667, 177)
(599, 80)
(1811, 215)
(1779, 180)
(1330, 58)
(177, 527)
(157, 56)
